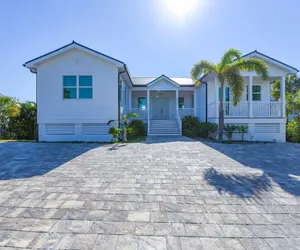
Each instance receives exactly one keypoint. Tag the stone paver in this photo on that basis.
(166, 193)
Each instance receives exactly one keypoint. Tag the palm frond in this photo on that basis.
(228, 58)
(236, 84)
(110, 121)
(253, 64)
(201, 68)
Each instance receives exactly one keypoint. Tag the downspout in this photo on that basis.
(119, 97)
(206, 109)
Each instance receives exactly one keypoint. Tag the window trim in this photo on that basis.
(180, 97)
(77, 85)
(140, 97)
(247, 93)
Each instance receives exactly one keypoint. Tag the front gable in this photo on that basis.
(275, 67)
(163, 83)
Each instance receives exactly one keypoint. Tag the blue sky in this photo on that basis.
(151, 37)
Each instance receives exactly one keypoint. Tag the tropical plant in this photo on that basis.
(229, 130)
(292, 93)
(207, 129)
(136, 128)
(292, 85)
(124, 122)
(228, 71)
(193, 128)
(115, 132)
(293, 131)
(242, 129)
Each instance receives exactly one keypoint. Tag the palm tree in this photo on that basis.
(228, 70)
(124, 121)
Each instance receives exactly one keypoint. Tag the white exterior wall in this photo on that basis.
(53, 109)
(259, 129)
(201, 102)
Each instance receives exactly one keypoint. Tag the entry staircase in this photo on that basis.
(164, 127)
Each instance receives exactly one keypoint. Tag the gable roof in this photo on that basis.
(31, 64)
(146, 81)
(255, 53)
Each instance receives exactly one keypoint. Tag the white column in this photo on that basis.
(129, 99)
(195, 103)
(282, 96)
(148, 103)
(148, 109)
(250, 96)
(217, 97)
(177, 107)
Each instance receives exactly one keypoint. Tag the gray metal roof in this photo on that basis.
(143, 81)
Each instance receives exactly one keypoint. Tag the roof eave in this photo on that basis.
(33, 63)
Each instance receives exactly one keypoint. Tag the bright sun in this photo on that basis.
(181, 8)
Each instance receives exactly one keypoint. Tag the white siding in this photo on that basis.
(53, 109)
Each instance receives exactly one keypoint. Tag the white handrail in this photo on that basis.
(179, 122)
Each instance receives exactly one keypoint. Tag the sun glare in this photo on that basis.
(181, 8)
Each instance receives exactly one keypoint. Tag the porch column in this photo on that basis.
(148, 104)
(129, 99)
(282, 96)
(177, 107)
(217, 97)
(195, 103)
(250, 96)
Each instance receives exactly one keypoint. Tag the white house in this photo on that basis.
(79, 90)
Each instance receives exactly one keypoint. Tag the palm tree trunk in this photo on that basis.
(125, 134)
(221, 113)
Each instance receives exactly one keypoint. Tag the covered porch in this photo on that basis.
(162, 104)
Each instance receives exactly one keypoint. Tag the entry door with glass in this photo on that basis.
(160, 108)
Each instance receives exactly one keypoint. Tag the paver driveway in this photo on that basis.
(163, 194)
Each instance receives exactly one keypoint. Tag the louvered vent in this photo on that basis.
(60, 129)
(95, 129)
(267, 128)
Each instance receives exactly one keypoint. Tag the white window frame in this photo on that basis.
(77, 85)
(247, 92)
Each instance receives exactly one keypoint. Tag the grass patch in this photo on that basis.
(135, 139)
(17, 140)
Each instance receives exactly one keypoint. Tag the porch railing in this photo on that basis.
(266, 109)
(186, 112)
(142, 113)
(241, 110)
(179, 121)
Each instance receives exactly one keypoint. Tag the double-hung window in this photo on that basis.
(142, 103)
(256, 92)
(78, 87)
(181, 102)
(226, 94)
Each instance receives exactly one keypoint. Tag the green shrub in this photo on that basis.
(190, 122)
(191, 133)
(136, 128)
(293, 131)
(115, 132)
(229, 130)
(192, 127)
(206, 129)
(242, 129)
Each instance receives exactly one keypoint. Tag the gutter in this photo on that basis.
(119, 97)
(206, 109)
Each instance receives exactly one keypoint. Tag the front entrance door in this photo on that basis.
(160, 108)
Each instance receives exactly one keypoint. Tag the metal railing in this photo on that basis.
(179, 122)
(266, 109)
(186, 112)
(142, 113)
(241, 110)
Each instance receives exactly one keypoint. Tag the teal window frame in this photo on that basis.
(181, 102)
(85, 85)
(142, 104)
(227, 94)
(77, 86)
(69, 87)
(256, 94)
